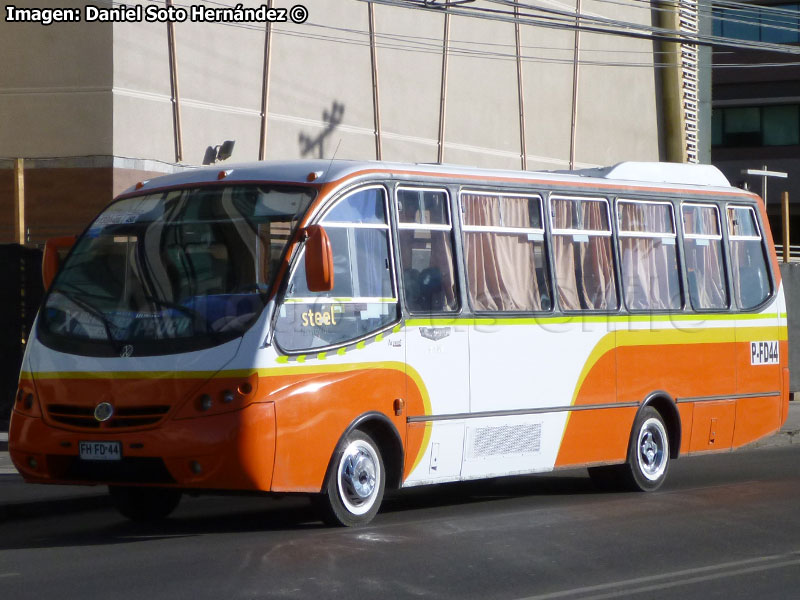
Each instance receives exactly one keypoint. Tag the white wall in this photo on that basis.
(55, 86)
(56, 91)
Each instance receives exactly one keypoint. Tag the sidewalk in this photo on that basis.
(19, 499)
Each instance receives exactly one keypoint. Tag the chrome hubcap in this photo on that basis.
(358, 477)
(653, 449)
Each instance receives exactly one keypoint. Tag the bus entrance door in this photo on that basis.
(438, 354)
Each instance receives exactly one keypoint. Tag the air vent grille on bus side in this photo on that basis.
(506, 439)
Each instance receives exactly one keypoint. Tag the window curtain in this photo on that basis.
(442, 259)
(567, 263)
(649, 266)
(704, 260)
(598, 263)
(371, 263)
(500, 266)
(584, 269)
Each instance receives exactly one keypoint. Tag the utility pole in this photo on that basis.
(787, 253)
(175, 89)
(19, 201)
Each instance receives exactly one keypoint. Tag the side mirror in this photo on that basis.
(319, 260)
(54, 248)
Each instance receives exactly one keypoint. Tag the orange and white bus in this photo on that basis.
(339, 328)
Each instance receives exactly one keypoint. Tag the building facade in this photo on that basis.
(756, 103)
(93, 107)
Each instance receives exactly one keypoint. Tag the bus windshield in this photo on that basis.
(173, 271)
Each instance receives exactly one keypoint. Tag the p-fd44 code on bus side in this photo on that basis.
(764, 353)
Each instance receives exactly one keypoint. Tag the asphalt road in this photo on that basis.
(723, 527)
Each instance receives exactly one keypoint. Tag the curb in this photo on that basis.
(780, 439)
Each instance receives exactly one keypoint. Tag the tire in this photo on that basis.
(144, 504)
(356, 480)
(648, 457)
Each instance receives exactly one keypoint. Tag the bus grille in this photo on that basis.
(82, 417)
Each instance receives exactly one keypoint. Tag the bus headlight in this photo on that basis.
(220, 396)
(26, 402)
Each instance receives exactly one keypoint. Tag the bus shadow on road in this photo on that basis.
(221, 514)
(533, 487)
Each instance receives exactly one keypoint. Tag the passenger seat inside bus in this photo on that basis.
(424, 291)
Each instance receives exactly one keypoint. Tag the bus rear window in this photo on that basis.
(751, 283)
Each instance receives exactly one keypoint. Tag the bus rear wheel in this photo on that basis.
(648, 457)
(144, 504)
(355, 484)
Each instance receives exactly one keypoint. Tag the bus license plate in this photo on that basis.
(101, 451)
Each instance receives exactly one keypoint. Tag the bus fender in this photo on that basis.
(384, 432)
(668, 409)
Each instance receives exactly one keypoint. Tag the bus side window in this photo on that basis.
(583, 254)
(426, 250)
(751, 285)
(648, 255)
(363, 299)
(703, 250)
(504, 252)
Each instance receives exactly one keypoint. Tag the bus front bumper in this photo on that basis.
(228, 451)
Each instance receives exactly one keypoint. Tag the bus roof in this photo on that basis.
(645, 174)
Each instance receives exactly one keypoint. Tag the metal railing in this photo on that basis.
(794, 252)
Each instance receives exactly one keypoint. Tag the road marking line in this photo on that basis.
(10, 574)
(711, 572)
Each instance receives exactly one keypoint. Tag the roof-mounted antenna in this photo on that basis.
(334, 156)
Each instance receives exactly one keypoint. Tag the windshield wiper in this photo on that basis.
(94, 311)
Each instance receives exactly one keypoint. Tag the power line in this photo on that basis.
(421, 44)
(561, 19)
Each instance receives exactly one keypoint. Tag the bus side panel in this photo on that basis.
(756, 418)
(313, 410)
(686, 413)
(759, 416)
(681, 370)
(597, 435)
(673, 364)
(712, 427)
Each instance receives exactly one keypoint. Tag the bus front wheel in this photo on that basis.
(144, 504)
(355, 484)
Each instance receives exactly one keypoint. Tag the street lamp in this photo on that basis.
(764, 173)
